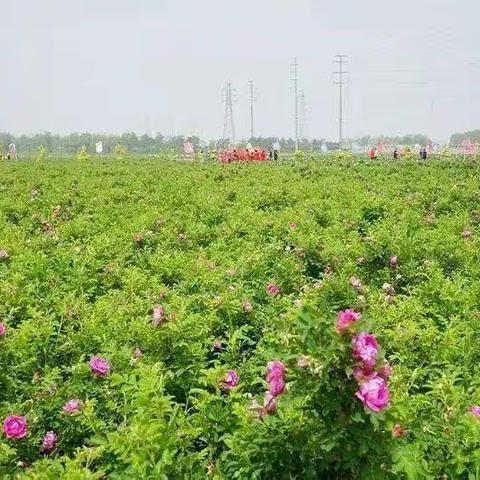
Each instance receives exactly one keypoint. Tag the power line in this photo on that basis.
(228, 122)
(341, 60)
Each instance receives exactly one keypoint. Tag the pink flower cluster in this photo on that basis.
(72, 406)
(372, 385)
(373, 388)
(272, 290)
(15, 426)
(49, 442)
(158, 315)
(475, 410)
(276, 386)
(230, 380)
(345, 319)
(99, 366)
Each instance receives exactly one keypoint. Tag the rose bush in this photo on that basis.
(166, 275)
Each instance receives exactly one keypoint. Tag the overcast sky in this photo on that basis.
(159, 65)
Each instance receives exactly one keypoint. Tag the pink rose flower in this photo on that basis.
(393, 261)
(72, 406)
(362, 375)
(230, 380)
(99, 366)
(475, 410)
(272, 289)
(292, 225)
(158, 315)
(356, 284)
(217, 345)
(3, 255)
(345, 319)
(269, 403)
(247, 307)
(275, 377)
(15, 426)
(269, 406)
(49, 442)
(386, 371)
(374, 394)
(2, 329)
(398, 431)
(365, 348)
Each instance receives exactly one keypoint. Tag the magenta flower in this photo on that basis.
(386, 371)
(99, 366)
(374, 394)
(362, 375)
(158, 315)
(49, 442)
(247, 307)
(15, 426)
(272, 289)
(230, 380)
(475, 410)
(393, 261)
(72, 406)
(365, 348)
(275, 377)
(2, 329)
(345, 319)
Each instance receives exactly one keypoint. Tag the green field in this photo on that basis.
(94, 246)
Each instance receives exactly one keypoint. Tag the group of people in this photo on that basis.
(373, 153)
(247, 154)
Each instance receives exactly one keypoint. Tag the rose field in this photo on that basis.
(303, 319)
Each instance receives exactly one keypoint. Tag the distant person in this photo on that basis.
(275, 154)
(373, 153)
(270, 154)
(423, 153)
(395, 153)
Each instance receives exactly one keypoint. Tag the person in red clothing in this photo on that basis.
(373, 153)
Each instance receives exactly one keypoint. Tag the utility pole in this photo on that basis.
(295, 87)
(341, 60)
(228, 123)
(252, 100)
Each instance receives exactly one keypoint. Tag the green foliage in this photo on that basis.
(94, 246)
(42, 154)
(83, 154)
(120, 152)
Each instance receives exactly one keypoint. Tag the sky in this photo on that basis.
(161, 65)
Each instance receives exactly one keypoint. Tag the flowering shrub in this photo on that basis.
(313, 319)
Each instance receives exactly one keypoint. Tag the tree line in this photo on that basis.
(147, 144)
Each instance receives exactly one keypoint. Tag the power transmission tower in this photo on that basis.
(303, 115)
(228, 123)
(341, 60)
(252, 100)
(295, 87)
